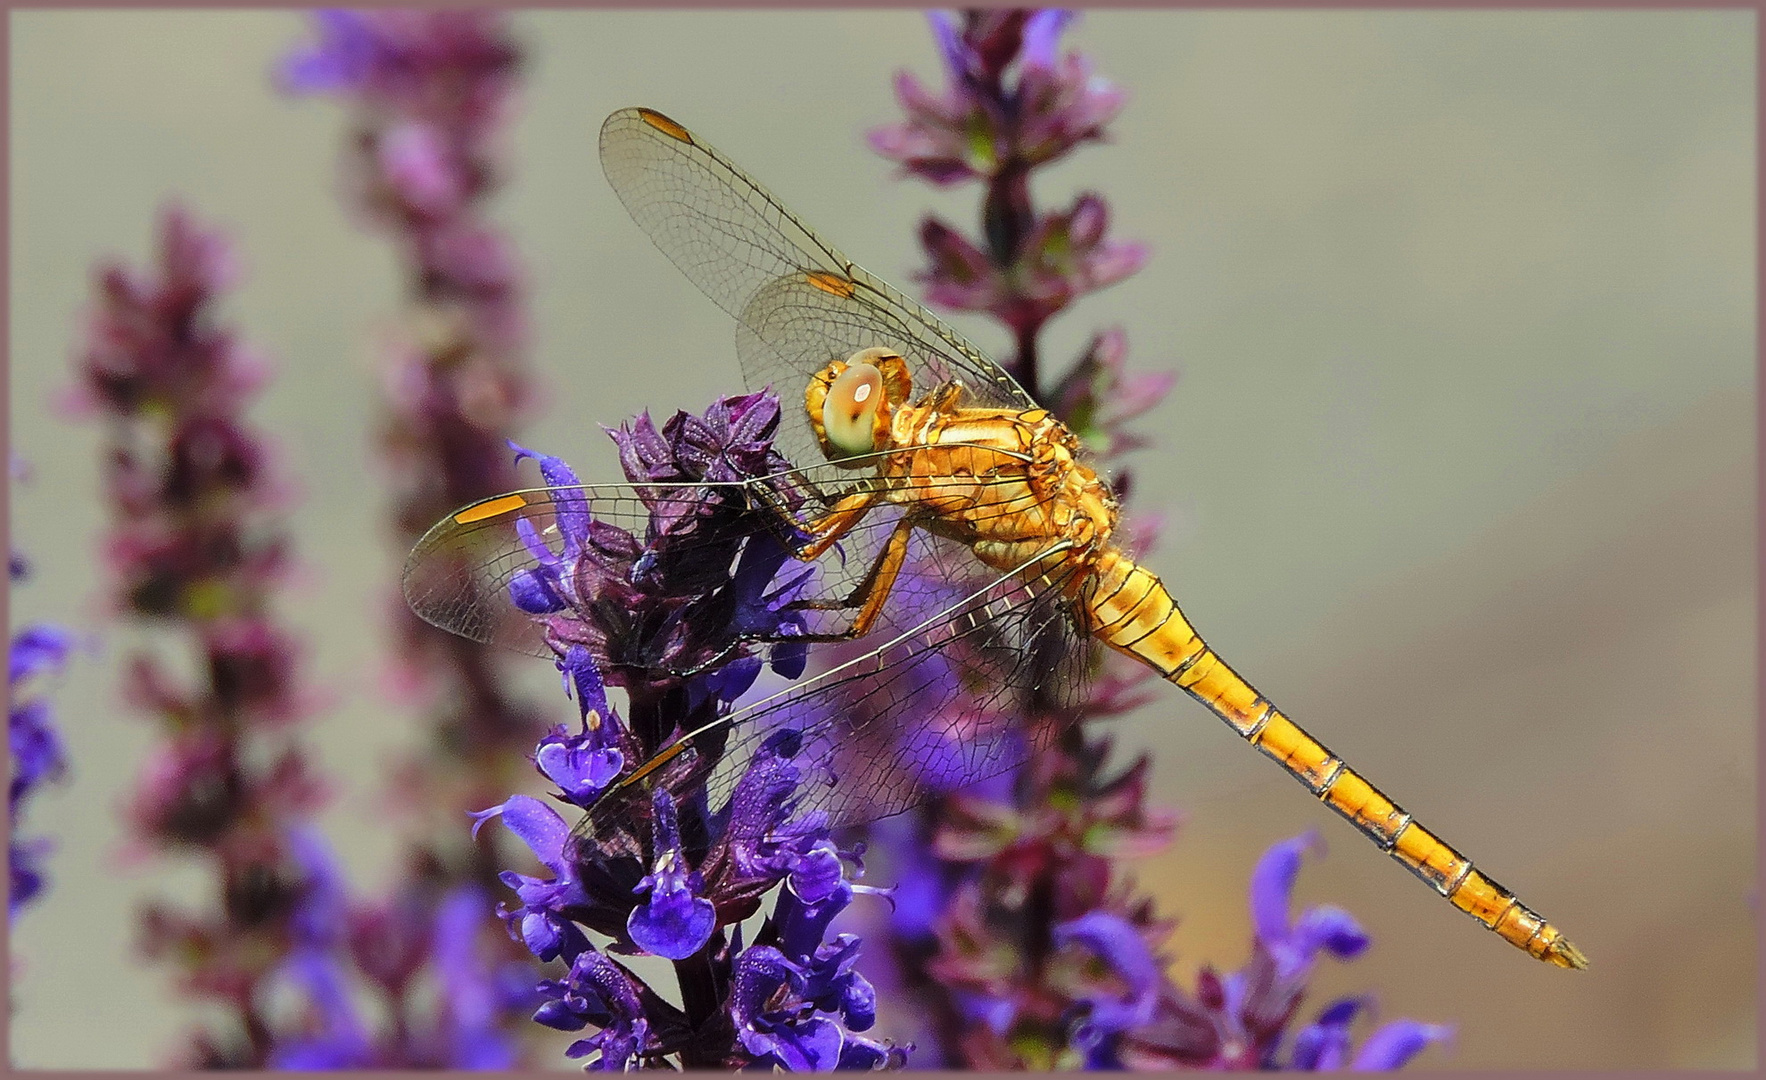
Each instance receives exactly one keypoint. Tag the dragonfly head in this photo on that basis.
(852, 401)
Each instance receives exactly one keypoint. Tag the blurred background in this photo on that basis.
(1460, 467)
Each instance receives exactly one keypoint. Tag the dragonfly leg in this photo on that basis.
(836, 523)
(872, 591)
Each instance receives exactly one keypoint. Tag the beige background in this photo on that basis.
(1460, 467)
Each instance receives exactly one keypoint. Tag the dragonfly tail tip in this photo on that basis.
(1566, 955)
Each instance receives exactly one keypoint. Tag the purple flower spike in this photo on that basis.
(1001, 988)
(428, 96)
(195, 547)
(1294, 945)
(674, 613)
(673, 923)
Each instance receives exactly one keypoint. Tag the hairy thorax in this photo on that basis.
(1006, 483)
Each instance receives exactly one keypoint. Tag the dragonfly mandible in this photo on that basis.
(963, 547)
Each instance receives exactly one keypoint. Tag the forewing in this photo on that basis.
(800, 301)
(459, 575)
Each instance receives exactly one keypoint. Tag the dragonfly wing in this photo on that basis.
(796, 325)
(801, 301)
(938, 705)
(497, 570)
(483, 572)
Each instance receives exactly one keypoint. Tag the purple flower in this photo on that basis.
(38, 755)
(38, 651)
(472, 1000)
(1392, 1046)
(337, 1038)
(345, 53)
(1119, 946)
(797, 998)
(1326, 1044)
(1242, 1019)
(540, 922)
(772, 1020)
(600, 992)
(758, 822)
(673, 923)
(797, 1003)
(1293, 944)
(583, 765)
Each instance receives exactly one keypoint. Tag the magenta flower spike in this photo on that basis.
(1011, 104)
(431, 94)
(194, 551)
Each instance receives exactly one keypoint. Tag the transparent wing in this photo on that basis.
(471, 572)
(799, 301)
(938, 705)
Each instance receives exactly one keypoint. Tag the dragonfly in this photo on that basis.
(965, 559)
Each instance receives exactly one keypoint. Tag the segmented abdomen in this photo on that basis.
(1132, 612)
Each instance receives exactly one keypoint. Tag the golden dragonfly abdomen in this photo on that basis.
(1132, 612)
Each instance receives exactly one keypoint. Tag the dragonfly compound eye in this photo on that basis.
(849, 414)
